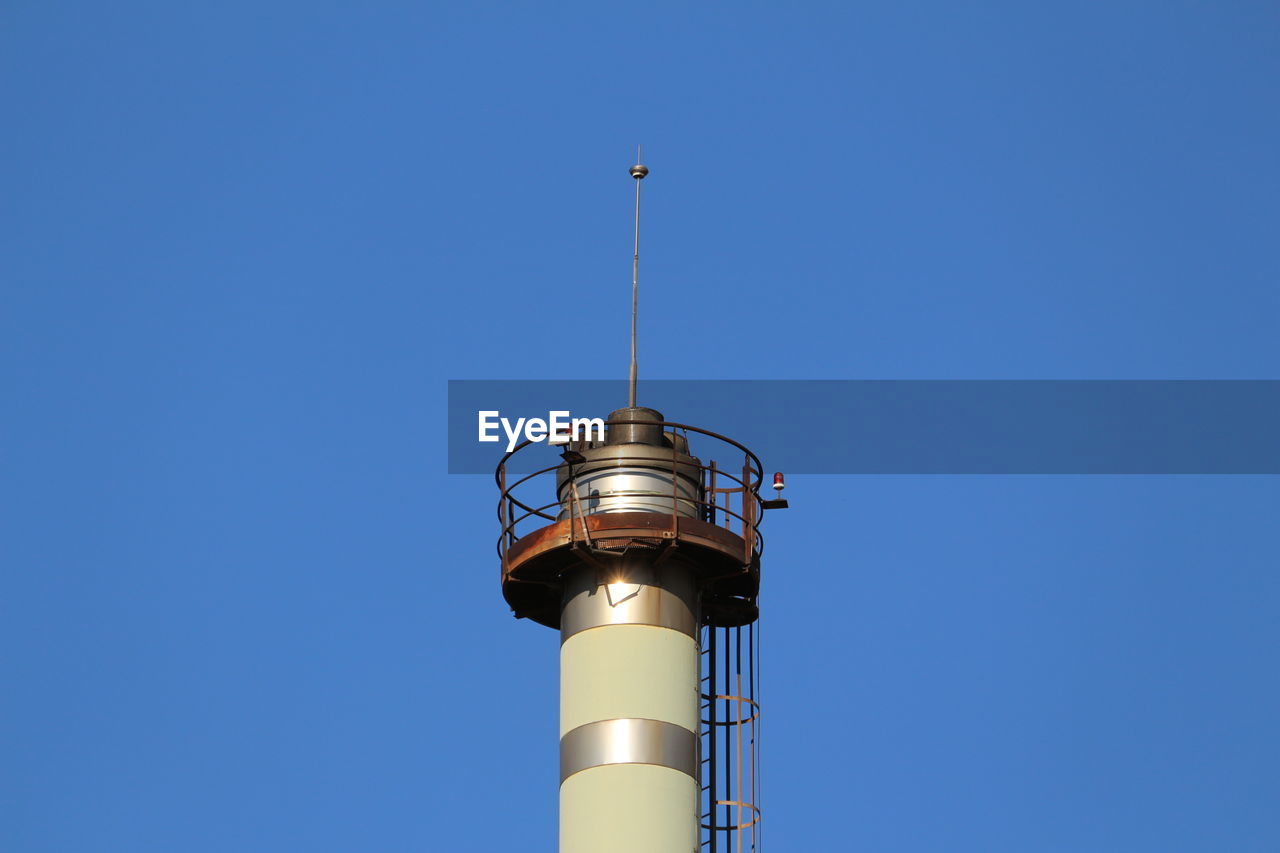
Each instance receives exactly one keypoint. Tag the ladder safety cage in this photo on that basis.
(730, 739)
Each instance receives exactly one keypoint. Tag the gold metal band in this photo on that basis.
(642, 595)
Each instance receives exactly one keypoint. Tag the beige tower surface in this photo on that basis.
(629, 711)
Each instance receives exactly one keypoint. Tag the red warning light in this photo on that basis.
(778, 482)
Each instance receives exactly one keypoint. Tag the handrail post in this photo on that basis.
(504, 511)
(675, 490)
(714, 497)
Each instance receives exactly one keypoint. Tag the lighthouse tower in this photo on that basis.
(646, 559)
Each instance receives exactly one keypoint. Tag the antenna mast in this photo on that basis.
(638, 171)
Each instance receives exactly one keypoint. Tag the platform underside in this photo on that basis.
(726, 567)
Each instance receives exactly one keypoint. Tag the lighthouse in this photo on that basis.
(642, 548)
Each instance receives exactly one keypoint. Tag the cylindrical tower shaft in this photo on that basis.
(644, 548)
(629, 708)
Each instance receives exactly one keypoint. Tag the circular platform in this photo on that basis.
(726, 566)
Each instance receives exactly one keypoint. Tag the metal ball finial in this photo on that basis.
(638, 171)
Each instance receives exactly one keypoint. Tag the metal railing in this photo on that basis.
(728, 496)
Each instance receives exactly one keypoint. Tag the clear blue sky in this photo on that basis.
(244, 245)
